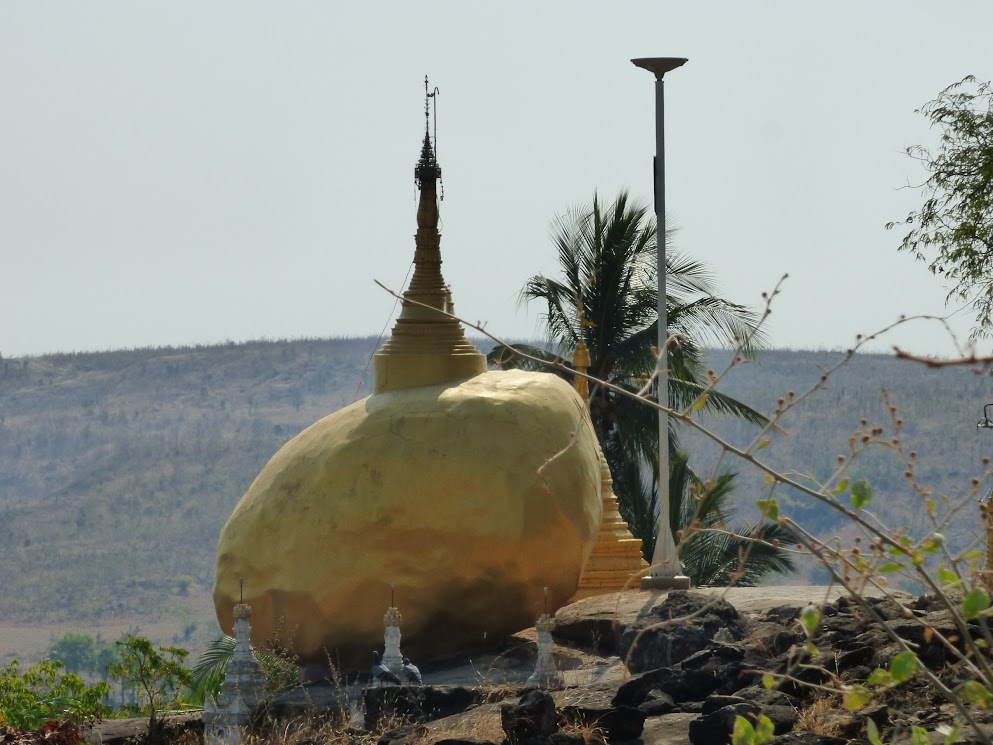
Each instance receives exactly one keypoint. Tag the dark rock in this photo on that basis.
(596, 632)
(844, 723)
(566, 738)
(715, 728)
(417, 703)
(872, 637)
(660, 638)
(402, 735)
(807, 738)
(713, 703)
(890, 610)
(716, 725)
(617, 723)
(764, 696)
(681, 685)
(840, 627)
(929, 648)
(782, 717)
(301, 700)
(714, 657)
(857, 674)
(464, 741)
(656, 704)
(690, 707)
(929, 603)
(879, 713)
(772, 639)
(856, 656)
(783, 615)
(174, 727)
(530, 719)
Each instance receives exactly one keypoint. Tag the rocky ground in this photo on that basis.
(671, 669)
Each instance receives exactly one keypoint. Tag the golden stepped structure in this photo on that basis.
(616, 562)
(427, 346)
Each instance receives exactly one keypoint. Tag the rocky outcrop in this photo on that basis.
(417, 703)
(682, 625)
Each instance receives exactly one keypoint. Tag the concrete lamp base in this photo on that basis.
(679, 582)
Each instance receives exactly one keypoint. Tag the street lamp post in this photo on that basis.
(664, 573)
(985, 507)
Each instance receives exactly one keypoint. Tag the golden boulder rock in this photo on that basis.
(470, 497)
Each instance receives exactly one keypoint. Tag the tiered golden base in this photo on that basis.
(616, 562)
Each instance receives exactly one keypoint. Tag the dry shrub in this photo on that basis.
(821, 717)
(305, 730)
(591, 733)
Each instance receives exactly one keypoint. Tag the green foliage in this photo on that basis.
(83, 653)
(975, 602)
(157, 673)
(902, 668)
(208, 674)
(713, 550)
(861, 494)
(745, 733)
(974, 692)
(810, 619)
(856, 697)
(45, 692)
(608, 261)
(873, 732)
(953, 229)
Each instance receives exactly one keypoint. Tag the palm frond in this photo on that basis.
(684, 392)
(211, 668)
(507, 358)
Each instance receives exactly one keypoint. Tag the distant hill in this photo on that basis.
(937, 409)
(118, 469)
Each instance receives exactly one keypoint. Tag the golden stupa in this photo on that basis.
(469, 491)
(616, 562)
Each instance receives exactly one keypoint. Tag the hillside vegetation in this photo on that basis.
(118, 469)
(937, 409)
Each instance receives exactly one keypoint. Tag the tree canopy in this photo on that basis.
(607, 295)
(953, 229)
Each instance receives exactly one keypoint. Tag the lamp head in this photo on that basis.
(659, 66)
(985, 422)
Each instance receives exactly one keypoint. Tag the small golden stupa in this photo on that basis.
(616, 562)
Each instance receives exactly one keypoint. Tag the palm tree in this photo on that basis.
(608, 295)
(711, 552)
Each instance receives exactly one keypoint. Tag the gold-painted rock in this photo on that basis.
(470, 497)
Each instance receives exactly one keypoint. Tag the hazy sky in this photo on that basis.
(195, 172)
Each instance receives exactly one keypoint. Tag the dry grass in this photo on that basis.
(592, 734)
(308, 730)
(482, 723)
(820, 718)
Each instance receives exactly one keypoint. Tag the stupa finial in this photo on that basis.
(427, 167)
(427, 346)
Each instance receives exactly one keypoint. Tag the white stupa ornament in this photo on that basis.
(391, 638)
(545, 674)
(226, 721)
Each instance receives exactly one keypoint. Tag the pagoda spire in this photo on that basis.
(428, 345)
